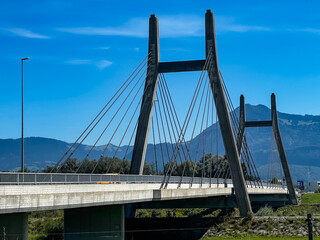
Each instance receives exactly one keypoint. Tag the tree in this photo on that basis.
(100, 166)
(274, 180)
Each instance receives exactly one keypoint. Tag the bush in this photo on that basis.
(265, 211)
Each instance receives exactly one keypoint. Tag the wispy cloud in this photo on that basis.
(134, 28)
(309, 30)
(181, 26)
(170, 26)
(79, 61)
(227, 24)
(25, 33)
(102, 64)
(103, 48)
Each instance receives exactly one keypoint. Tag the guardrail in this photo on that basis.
(11, 178)
(71, 178)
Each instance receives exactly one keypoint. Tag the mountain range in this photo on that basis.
(300, 135)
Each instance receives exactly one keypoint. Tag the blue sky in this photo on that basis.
(81, 51)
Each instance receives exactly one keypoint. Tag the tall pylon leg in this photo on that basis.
(229, 140)
(145, 117)
(242, 125)
(282, 154)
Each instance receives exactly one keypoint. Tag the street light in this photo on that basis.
(22, 138)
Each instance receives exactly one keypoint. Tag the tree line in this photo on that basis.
(208, 166)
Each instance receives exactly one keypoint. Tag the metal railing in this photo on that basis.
(10, 178)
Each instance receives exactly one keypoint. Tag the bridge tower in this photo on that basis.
(145, 117)
(154, 68)
(276, 132)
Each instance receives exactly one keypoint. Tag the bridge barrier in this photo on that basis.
(17, 178)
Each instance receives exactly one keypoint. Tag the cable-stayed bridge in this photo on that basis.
(184, 168)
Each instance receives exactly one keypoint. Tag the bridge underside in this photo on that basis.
(217, 202)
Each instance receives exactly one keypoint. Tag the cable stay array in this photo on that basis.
(189, 149)
(206, 162)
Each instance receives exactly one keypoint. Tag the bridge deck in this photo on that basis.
(27, 198)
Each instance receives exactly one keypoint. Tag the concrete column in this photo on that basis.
(282, 154)
(103, 222)
(229, 140)
(14, 226)
(145, 117)
(242, 124)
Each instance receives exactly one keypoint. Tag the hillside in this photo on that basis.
(300, 134)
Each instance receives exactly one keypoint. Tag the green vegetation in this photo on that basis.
(260, 228)
(177, 212)
(102, 165)
(46, 225)
(208, 166)
(274, 180)
(310, 198)
(265, 211)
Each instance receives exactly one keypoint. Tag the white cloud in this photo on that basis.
(181, 26)
(136, 49)
(103, 48)
(136, 27)
(25, 33)
(309, 30)
(227, 24)
(170, 26)
(102, 64)
(80, 61)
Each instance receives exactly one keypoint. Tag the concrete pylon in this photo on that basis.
(145, 117)
(242, 125)
(227, 133)
(282, 154)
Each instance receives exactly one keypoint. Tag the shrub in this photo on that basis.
(265, 211)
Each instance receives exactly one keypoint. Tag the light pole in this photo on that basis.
(22, 138)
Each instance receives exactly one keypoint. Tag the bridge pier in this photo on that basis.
(14, 226)
(94, 223)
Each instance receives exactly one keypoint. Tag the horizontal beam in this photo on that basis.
(258, 124)
(181, 66)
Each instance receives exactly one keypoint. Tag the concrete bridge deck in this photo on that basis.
(28, 198)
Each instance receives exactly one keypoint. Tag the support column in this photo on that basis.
(229, 141)
(282, 154)
(14, 226)
(242, 124)
(103, 222)
(145, 117)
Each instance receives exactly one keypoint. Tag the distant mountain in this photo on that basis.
(300, 135)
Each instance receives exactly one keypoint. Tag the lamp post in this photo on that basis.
(22, 138)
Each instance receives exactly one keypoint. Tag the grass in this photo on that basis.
(310, 198)
(260, 238)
